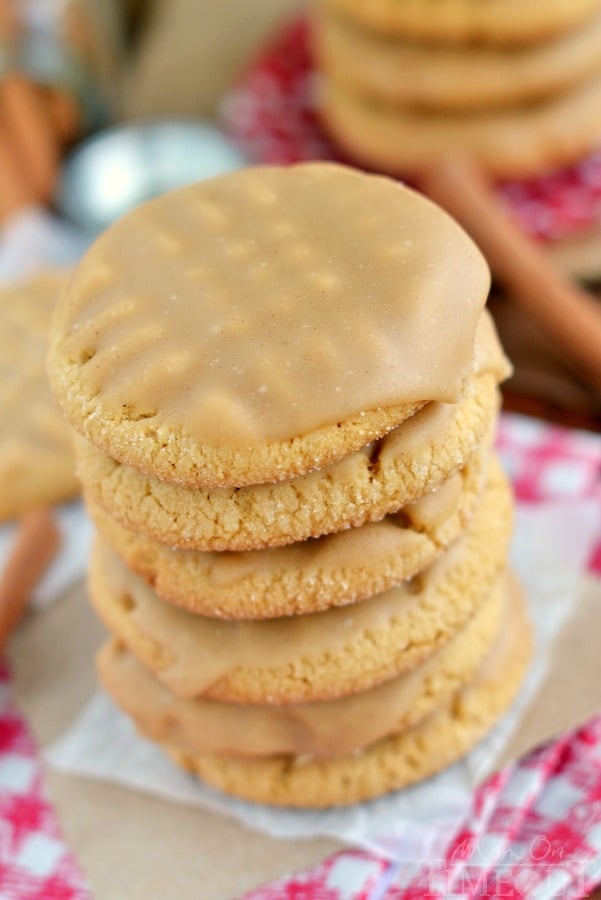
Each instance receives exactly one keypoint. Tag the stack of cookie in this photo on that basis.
(516, 84)
(285, 387)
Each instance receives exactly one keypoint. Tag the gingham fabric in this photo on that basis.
(271, 114)
(534, 834)
(35, 864)
(547, 462)
(538, 824)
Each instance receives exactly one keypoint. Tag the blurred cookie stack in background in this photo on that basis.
(514, 85)
(513, 89)
(36, 456)
(285, 388)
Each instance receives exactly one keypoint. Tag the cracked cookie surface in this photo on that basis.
(365, 486)
(311, 575)
(318, 655)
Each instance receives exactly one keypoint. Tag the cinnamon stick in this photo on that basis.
(35, 546)
(568, 314)
(15, 190)
(64, 112)
(26, 117)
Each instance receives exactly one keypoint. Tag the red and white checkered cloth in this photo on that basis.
(271, 115)
(534, 833)
(535, 829)
(35, 864)
(548, 462)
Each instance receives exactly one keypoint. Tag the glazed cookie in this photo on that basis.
(391, 763)
(315, 656)
(498, 22)
(365, 486)
(415, 458)
(36, 460)
(257, 326)
(329, 728)
(517, 142)
(310, 575)
(376, 480)
(453, 78)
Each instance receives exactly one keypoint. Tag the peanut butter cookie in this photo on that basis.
(257, 326)
(497, 22)
(454, 78)
(516, 142)
(37, 467)
(378, 479)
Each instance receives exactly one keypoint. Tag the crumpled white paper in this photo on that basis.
(551, 545)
